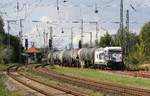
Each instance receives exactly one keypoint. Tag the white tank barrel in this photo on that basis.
(86, 54)
(67, 56)
(74, 54)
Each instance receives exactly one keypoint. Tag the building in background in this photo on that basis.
(34, 55)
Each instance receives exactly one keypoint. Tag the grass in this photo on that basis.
(145, 67)
(105, 76)
(3, 89)
(3, 67)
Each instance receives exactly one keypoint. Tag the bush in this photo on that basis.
(137, 54)
(2, 57)
(6, 54)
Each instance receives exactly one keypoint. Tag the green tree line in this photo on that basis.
(8, 54)
(136, 46)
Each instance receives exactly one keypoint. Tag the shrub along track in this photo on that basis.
(46, 89)
(105, 87)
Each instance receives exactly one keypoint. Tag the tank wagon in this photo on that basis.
(110, 57)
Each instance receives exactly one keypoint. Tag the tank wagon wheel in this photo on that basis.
(75, 64)
(79, 65)
(96, 66)
(72, 64)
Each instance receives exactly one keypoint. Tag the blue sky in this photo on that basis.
(72, 10)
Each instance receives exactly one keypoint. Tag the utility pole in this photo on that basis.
(20, 37)
(57, 4)
(21, 27)
(51, 44)
(8, 30)
(127, 31)
(91, 39)
(97, 30)
(127, 20)
(82, 29)
(90, 33)
(21, 31)
(44, 41)
(121, 23)
(82, 32)
(18, 6)
(8, 36)
(51, 38)
(71, 44)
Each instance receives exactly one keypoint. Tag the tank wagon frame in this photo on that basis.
(108, 57)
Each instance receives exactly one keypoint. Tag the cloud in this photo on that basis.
(44, 19)
(108, 12)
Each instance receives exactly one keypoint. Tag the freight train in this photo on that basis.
(108, 57)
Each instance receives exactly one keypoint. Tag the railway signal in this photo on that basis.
(62, 31)
(26, 44)
(96, 10)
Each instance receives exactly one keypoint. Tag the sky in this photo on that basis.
(70, 11)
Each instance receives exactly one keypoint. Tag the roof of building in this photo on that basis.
(33, 50)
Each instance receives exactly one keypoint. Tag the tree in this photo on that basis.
(1, 25)
(8, 53)
(120, 37)
(2, 55)
(106, 40)
(132, 39)
(15, 46)
(140, 52)
(137, 55)
(2, 37)
(127, 40)
(2, 32)
(145, 37)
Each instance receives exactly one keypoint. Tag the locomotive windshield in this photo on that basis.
(115, 51)
(115, 55)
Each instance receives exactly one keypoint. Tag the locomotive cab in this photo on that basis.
(110, 57)
(114, 57)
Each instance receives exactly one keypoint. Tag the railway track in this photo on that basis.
(143, 74)
(41, 87)
(69, 91)
(104, 87)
